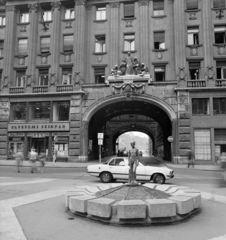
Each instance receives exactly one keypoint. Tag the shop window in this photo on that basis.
(47, 16)
(99, 75)
(24, 17)
(20, 78)
(194, 70)
(200, 106)
(193, 35)
(219, 106)
(18, 112)
(45, 45)
(158, 7)
(221, 69)
(202, 144)
(15, 144)
(220, 34)
(68, 43)
(160, 73)
(101, 12)
(220, 142)
(129, 10)
(2, 20)
(67, 76)
(129, 42)
(61, 111)
(192, 4)
(69, 13)
(22, 46)
(218, 3)
(39, 111)
(43, 77)
(159, 40)
(1, 48)
(100, 44)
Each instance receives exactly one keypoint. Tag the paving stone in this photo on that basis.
(129, 209)
(100, 207)
(161, 208)
(79, 203)
(70, 194)
(184, 204)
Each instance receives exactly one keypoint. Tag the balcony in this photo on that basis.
(196, 83)
(64, 88)
(40, 89)
(16, 90)
(220, 83)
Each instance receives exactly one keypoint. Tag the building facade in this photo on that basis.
(71, 69)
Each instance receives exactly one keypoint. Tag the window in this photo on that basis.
(219, 106)
(2, 20)
(99, 75)
(43, 77)
(39, 111)
(24, 17)
(218, 3)
(192, 4)
(61, 111)
(129, 42)
(220, 34)
(193, 36)
(68, 43)
(45, 45)
(200, 106)
(194, 70)
(22, 46)
(219, 141)
(69, 13)
(202, 144)
(159, 40)
(101, 13)
(158, 7)
(20, 78)
(129, 10)
(160, 73)
(1, 48)
(221, 70)
(47, 16)
(18, 112)
(100, 44)
(67, 76)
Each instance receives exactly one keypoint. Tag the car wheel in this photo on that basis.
(159, 178)
(106, 177)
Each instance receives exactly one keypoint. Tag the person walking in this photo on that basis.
(19, 157)
(133, 157)
(42, 159)
(191, 158)
(223, 164)
(33, 158)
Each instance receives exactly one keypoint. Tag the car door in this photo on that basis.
(141, 172)
(118, 169)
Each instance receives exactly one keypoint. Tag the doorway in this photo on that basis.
(39, 144)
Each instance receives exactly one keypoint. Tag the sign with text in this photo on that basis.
(21, 127)
(100, 141)
(100, 136)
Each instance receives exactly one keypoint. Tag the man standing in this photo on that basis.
(33, 158)
(19, 157)
(133, 157)
(191, 158)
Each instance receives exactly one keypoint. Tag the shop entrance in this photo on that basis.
(39, 144)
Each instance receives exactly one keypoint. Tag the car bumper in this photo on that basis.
(170, 176)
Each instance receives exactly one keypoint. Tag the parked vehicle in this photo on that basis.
(118, 168)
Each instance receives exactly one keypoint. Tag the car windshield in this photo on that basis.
(151, 161)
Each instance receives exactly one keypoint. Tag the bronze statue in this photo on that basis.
(133, 157)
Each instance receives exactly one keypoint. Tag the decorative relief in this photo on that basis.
(74, 110)
(52, 79)
(67, 58)
(4, 110)
(159, 55)
(143, 2)
(185, 137)
(181, 74)
(6, 81)
(44, 59)
(194, 51)
(183, 100)
(185, 145)
(184, 115)
(192, 16)
(74, 138)
(209, 74)
(221, 50)
(68, 24)
(128, 87)
(23, 28)
(56, 5)
(75, 103)
(184, 130)
(114, 5)
(129, 23)
(75, 117)
(88, 7)
(33, 7)
(10, 8)
(219, 13)
(80, 2)
(22, 61)
(78, 81)
(29, 80)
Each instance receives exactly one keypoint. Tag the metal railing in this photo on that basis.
(64, 88)
(40, 89)
(16, 90)
(220, 83)
(196, 83)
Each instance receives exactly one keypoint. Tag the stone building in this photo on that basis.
(71, 69)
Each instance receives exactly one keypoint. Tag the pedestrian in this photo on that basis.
(191, 158)
(33, 158)
(223, 164)
(19, 157)
(42, 159)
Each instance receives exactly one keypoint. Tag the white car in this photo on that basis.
(118, 168)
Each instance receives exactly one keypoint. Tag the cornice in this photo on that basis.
(33, 7)
(143, 2)
(10, 8)
(56, 5)
(114, 4)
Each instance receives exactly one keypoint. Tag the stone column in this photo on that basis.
(32, 45)
(9, 48)
(114, 34)
(79, 40)
(208, 41)
(180, 42)
(55, 46)
(143, 31)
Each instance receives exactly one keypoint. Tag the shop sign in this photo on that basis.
(37, 135)
(60, 134)
(19, 127)
(61, 139)
(16, 134)
(17, 139)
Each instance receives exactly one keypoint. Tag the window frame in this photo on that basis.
(219, 111)
(2, 20)
(97, 75)
(126, 9)
(22, 78)
(66, 78)
(221, 70)
(158, 10)
(56, 117)
(19, 46)
(189, 2)
(43, 72)
(193, 36)
(24, 107)
(71, 13)
(65, 46)
(1, 48)
(101, 15)
(31, 119)
(196, 69)
(131, 44)
(163, 73)
(24, 17)
(100, 44)
(42, 45)
(219, 1)
(157, 45)
(205, 108)
(47, 16)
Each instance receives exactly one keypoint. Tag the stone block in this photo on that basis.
(74, 152)
(3, 132)
(79, 203)
(129, 209)
(184, 122)
(75, 124)
(74, 145)
(184, 115)
(75, 102)
(3, 151)
(3, 125)
(184, 204)
(75, 117)
(185, 137)
(185, 145)
(161, 208)
(196, 198)
(3, 138)
(3, 145)
(100, 207)
(75, 110)
(75, 131)
(162, 187)
(184, 130)
(70, 194)
(74, 138)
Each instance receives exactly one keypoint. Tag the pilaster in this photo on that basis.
(9, 46)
